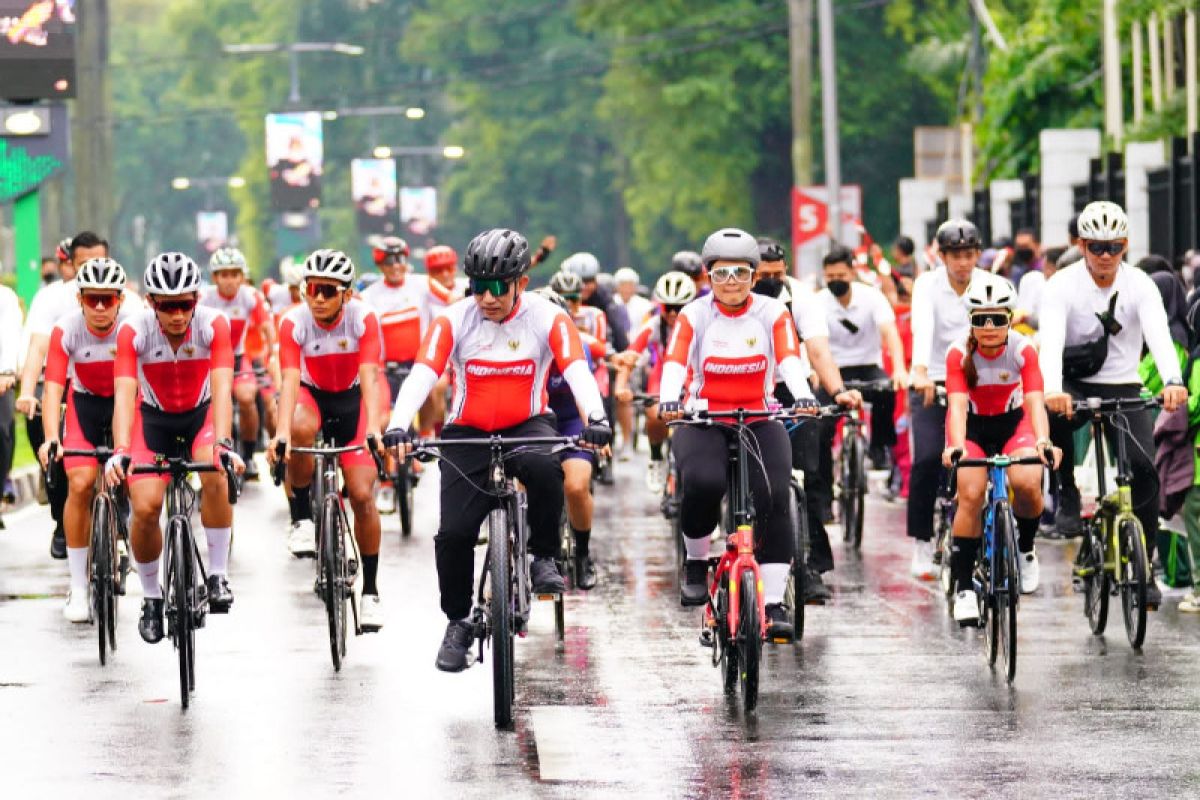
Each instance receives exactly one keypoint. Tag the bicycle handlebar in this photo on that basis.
(868, 386)
(280, 470)
(494, 441)
(182, 466)
(1096, 405)
(998, 461)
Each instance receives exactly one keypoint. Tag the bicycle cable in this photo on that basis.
(1121, 423)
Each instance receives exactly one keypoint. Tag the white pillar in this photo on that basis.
(1168, 58)
(1156, 97)
(1003, 193)
(1190, 67)
(1065, 154)
(918, 205)
(1114, 114)
(1140, 158)
(1139, 71)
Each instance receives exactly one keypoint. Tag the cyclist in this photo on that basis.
(82, 350)
(939, 319)
(1094, 318)
(672, 292)
(234, 297)
(637, 308)
(733, 343)
(689, 263)
(441, 264)
(501, 343)
(994, 406)
(587, 267)
(177, 357)
(329, 352)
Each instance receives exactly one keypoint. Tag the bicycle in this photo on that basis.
(403, 480)
(107, 565)
(997, 575)
(943, 519)
(337, 549)
(504, 593)
(1112, 557)
(185, 588)
(850, 467)
(735, 624)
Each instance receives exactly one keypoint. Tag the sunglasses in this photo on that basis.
(570, 298)
(1106, 248)
(727, 274)
(326, 290)
(102, 300)
(671, 309)
(383, 257)
(172, 306)
(494, 286)
(990, 319)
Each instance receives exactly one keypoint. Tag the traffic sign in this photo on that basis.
(810, 224)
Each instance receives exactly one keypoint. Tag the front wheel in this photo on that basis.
(793, 593)
(749, 639)
(103, 586)
(854, 491)
(180, 605)
(1090, 568)
(403, 484)
(1133, 580)
(333, 561)
(1006, 586)
(501, 618)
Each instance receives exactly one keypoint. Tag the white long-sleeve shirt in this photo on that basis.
(939, 319)
(1029, 295)
(1070, 303)
(11, 343)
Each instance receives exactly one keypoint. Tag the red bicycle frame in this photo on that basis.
(737, 558)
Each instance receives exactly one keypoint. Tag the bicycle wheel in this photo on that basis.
(402, 483)
(500, 617)
(566, 549)
(101, 584)
(179, 605)
(987, 579)
(332, 559)
(858, 492)
(793, 593)
(1133, 580)
(1006, 589)
(1095, 578)
(749, 640)
(729, 651)
(944, 542)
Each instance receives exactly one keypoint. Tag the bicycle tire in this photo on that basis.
(1134, 579)
(500, 613)
(945, 577)
(117, 576)
(402, 484)
(1095, 579)
(566, 549)
(985, 579)
(858, 492)
(729, 655)
(1006, 589)
(182, 620)
(331, 555)
(100, 585)
(793, 593)
(749, 640)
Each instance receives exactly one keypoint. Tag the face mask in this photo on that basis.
(49, 277)
(1024, 255)
(771, 287)
(838, 288)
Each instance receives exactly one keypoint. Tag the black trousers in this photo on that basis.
(465, 507)
(1139, 447)
(56, 493)
(928, 442)
(818, 493)
(702, 455)
(8, 434)
(883, 404)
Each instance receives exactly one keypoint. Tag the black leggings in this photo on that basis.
(928, 442)
(703, 457)
(465, 507)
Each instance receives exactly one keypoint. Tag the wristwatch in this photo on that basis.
(226, 443)
(1173, 382)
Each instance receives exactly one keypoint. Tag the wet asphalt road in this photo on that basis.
(885, 696)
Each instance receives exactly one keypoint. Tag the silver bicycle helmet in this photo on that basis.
(171, 274)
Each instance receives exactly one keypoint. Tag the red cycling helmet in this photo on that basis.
(440, 257)
(389, 246)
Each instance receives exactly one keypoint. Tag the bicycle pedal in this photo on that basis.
(1077, 585)
(352, 566)
(550, 597)
(707, 639)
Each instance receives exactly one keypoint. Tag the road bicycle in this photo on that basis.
(850, 466)
(402, 477)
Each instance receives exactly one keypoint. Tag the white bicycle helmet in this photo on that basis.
(170, 274)
(564, 283)
(585, 265)
(333, 264)
(675, 289)
(990, 291)
(291, 272)
(101, 273)
(1103, 221)
(552, 296)
(730, 244)
(627, 275)
(224, 258)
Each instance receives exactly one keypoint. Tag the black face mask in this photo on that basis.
(1024, 255)
(771, 287)
(838, 288)
(49, 277)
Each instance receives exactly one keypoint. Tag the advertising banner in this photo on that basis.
(37, 49)
(373, 189)
(418, 209)
(295, 157)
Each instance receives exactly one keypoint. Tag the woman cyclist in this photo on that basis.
(733, 342)
(994, 390)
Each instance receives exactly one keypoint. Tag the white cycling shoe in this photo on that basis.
(655, 476)
(922, 565)
(370, 616)
(385, 500)
(966, 608)
(1030, 572)
(302, 540)
(76, 608)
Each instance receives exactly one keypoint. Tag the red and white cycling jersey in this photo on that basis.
(174, 380)
(82, 355)
(1003, 379)
(592, 322)
(500, 368)
(279, 297)
(404, 313)
(329, 357)
(246, 307)
(732, 355)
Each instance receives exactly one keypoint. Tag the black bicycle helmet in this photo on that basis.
(769, 249)
(688, 262)
(498, 253)
(958, 234)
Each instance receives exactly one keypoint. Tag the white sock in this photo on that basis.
(77, 562)
(148, 574)
(218, 549)
(697, 549)
(774, 578)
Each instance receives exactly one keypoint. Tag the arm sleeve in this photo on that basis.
(565, 344)
(922, 322)
(413, 391)
(1156, 330)
(784, 338)
(258, 314)
(956, 379)
(436, 346)
(57, 359)
(1031, 370)
(795, 376)
(289, 349)
(674, 371)
(1052, 334)
(126, 363)
(584, 388)
(222, 345)
(369, 349)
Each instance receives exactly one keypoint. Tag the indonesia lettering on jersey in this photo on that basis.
(733, 355)
(243, 309)
(404, 314)
(1003, 379)
(174, 380)
(500, 369)
(82, 356)
(329, 358)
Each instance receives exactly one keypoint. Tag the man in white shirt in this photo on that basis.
(637, 309)
(1095, 316)
(10, 344)
(939, 319)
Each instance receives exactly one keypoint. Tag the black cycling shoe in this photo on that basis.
(455, 653)
(779, 629)
(545, 577)
(1153, 595)
(150, 626)
(694, 589)
(815, 590)
(58, 544)
(251, 473)
(220, 596)
(1066, 518)
(585, 572)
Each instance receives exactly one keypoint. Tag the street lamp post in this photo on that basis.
(294, 49)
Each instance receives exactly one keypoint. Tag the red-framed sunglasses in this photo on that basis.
(171, 306)
(326, 290)
(100, 299)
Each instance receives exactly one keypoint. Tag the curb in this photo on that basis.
(25, 482)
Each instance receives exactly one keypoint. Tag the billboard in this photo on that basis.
(373, 188)
(295, 158)
(212, 230)
(37, 49)
(418, 209)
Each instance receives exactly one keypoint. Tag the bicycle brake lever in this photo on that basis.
(231, 481)
(280, 469)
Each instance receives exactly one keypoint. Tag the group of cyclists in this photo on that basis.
(326, 354)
